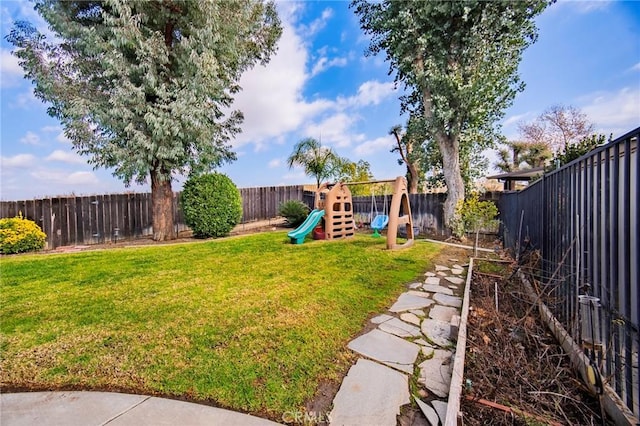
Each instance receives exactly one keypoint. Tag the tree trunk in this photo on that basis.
(449, 147)
(413, 178)
(450, 150)
(162, 205)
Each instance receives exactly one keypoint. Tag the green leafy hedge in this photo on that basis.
(211, 204)
(19, 235)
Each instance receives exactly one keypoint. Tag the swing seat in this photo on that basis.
(379, 222)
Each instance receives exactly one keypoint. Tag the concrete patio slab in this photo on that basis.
(101, 408)
(386, 348)
(370, 394)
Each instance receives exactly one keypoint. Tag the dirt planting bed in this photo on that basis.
(515, 371)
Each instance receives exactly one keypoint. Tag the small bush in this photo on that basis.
(474, 215)
(19, 235)
(211, 204)
(294, 211)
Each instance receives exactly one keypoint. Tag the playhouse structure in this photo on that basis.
(333, 219)
(335, 200)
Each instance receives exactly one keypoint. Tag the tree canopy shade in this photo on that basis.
(459, 61)
(143, 86)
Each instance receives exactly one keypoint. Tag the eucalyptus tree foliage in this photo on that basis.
(145, 87)
(459, 61)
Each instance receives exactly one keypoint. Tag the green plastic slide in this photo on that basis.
(297, 236)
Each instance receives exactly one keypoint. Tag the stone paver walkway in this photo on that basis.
(418, 336)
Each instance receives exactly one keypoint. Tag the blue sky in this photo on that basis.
(321, 85)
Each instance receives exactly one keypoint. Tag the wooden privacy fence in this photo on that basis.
(583, 219)
(98, 219)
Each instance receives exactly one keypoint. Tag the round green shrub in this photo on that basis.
(294, 211)
(211, 205)
(19, 235)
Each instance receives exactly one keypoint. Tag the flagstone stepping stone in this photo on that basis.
(441, 274)
(411, 318)
(419, 293)
(427, 351)
(418, 312)
(423, 342)
(456, 266)
(408, 301)
(441, 409)
(453, 287)
(441, 268)
(436, 331)
(454, 280)
(400, 328)
(432, 280)
(435, 373)
(429, 413)
(381, 318)
(414, 285)
(437, 289)
(457, 271)
(454, 260)
(429, 274)
(370, 394)
(387, 349)
(446, 300)
(442, 313)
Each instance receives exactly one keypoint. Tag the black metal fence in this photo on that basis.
(583, 219)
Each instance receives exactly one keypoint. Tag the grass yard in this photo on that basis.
(250, 323)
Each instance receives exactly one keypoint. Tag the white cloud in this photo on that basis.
(65, 157)
(515, 119)
(582, 6)
(272, 99)
(11, 72)
(324, 63)
(370, 147)
(65, 178)
(613, 112)
(335, 130)
(26, 100)
(51, 129)
(636, 67)
(62, 138)
(317, 24)
(20, 160)
(371, 92)
(276, 162)
(30, 138)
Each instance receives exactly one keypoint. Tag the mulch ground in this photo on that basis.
(515, 371)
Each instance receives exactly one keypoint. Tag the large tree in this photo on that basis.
(318, 161)
(145, 87)
(459, 61)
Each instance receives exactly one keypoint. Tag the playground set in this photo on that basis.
(332, 216)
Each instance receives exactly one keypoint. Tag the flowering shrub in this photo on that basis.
(18, 235)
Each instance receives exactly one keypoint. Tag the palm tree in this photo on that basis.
(318, 161)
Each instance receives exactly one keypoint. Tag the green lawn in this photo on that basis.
(251, 323)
